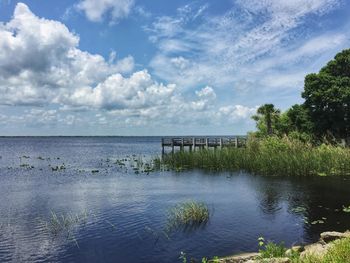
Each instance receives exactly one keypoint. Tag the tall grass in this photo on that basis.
(188, 215)
(269, 156)
(64, 222)
(339, 252)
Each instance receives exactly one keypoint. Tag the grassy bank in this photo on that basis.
(269, 156)
(338, 252)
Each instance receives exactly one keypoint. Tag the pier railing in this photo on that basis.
(193, 143)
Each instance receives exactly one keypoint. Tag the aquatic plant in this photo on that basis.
(267, 156)
(346, 209)
(188, 214)
(64, 223)
(58, 168)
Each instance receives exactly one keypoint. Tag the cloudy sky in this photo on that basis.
(156, 67)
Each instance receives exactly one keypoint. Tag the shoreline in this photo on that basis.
(292, 254)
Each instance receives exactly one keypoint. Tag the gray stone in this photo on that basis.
(297, 249)
(240, 258)
(272, 260)
(316, 249)
(332, 235)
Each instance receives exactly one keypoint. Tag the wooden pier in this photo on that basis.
(193, 143)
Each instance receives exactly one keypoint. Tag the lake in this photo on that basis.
(125, 211)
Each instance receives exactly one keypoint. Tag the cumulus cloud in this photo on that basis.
(40, 60)
(41, 65)
(138, 91)
(96, 10)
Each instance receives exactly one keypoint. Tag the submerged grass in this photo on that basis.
(187, 215)
(269, 156)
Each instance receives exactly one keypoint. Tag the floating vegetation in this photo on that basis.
(26, 165)
(95, 171)
(58, 168)
(346, 209)
(188, 215)
(41, 158)
(298, 209)
(137, 165)
(320, 221)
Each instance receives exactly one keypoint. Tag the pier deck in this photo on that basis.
(202, 142)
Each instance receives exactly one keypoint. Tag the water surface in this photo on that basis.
(126, 213)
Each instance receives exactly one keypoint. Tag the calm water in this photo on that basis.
(125, 213)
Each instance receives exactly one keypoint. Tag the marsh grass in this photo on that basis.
(188, 215)
(65, 223)
(269, 156)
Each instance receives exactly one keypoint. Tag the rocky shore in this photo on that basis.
(317, 249)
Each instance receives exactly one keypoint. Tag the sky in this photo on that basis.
(156, 67)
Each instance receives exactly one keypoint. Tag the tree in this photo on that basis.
(299, 119)
(327, 97)
(267, 116)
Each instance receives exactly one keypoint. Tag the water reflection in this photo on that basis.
(129, 211)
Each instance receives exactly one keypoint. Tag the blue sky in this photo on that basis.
(137, 67)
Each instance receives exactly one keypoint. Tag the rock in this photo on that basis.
(316, 249)
(271, 260)
(295, 249)
(245, 257)
(332, 235)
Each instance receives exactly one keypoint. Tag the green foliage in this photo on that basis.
(339, 252)
(183, 257)
(295, 122)
(327, 97)
(299, 119)
(272, 250)
(267, 156)
(267, 117)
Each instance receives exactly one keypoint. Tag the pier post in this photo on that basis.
(221, 143)
(236, 142)
(172, 145)
(207, 143)
(182, 144)
(194, 144)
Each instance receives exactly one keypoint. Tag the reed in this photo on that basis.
(268, 156)
(64, 222)
(187, 215)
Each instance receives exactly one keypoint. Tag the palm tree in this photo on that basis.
(269, 114)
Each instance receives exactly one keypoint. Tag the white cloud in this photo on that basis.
(40, 59)
(96, 10)
(243, 45)
(41, 65)
(138, 91)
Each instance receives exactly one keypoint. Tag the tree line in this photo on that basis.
(325, 113)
